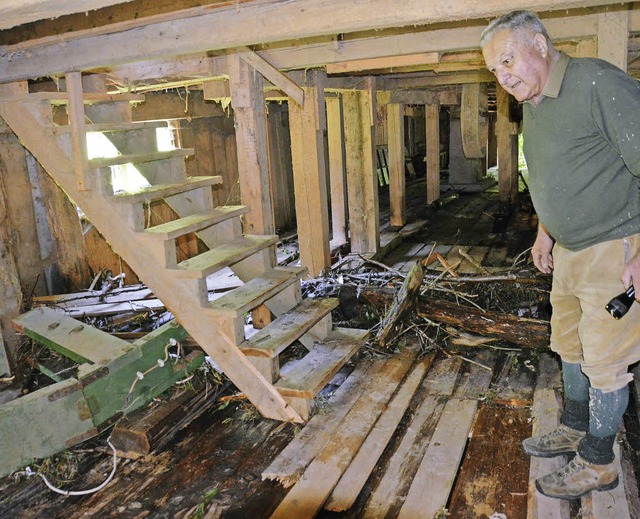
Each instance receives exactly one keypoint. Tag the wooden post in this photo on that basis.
(613, 37)
(11, 300)
(247, 100)
(336, 170)
(362, 185)
(397, 189)
(507, 136)
(432, 116)
(307, 125)
(78, 129)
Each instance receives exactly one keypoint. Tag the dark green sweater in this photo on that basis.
(582, 146)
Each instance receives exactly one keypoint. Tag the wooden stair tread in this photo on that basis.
(73, 339)
(196, 222)
(62, 98)
(279, 334)
(114, 127)
(226, 254)
(313, 372)
(159, 191)
(257, 291)
(138, 158)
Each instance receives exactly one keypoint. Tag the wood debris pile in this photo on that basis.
(510, 304)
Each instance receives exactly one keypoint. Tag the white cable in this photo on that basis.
(90, 490)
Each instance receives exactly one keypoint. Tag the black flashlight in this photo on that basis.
(620, 304)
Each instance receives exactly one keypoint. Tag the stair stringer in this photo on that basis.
(180, 296)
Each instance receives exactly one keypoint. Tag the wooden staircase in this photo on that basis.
(218, 326)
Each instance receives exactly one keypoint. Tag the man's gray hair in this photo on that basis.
(518, 21)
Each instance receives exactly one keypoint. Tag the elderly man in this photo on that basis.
(581, 135)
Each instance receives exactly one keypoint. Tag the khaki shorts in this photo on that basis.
(582, 331)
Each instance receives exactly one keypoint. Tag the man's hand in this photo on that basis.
(631, 275)
(541, 251)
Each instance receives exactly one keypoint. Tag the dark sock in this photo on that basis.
(576, 415)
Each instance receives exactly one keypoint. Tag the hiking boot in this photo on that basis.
(563, 440)
(577, 478)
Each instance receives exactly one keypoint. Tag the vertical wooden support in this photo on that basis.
(507, 136)
(307, 125)
(11, 300)
(78, 129)
(362, 185)
(397, 191)
(337, 178)
(432, 116)
(613, 37)
(247, 100)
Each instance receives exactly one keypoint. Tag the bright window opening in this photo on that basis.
(125, 178)
(165, 139)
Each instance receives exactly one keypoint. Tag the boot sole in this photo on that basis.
(609, 486)
(543, 454)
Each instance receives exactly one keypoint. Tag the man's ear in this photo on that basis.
(540, 44)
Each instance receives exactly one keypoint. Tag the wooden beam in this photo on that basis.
(613, 37)
(507, 136)
(397, 193)
(251, 137)
(18, 12)
(225, 25)
(291, 88)
(362, 185)
(337, 178)
(432, 116)
(307, 125)
(450, 96)
(473, 122)
(382, 63)
(426, 81)
(79, 152)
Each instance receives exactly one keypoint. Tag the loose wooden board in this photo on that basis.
(308, 495)
(356, 475)
(439, 466)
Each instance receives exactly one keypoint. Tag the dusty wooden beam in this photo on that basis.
(397, 188)
(18, 12)
(234, 25)
(432, 117)
(337, 178)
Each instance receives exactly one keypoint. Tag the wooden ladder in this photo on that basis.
(218, 326)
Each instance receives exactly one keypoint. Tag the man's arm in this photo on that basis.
(541, 251)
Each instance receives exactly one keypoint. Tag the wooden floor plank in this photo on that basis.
(443, 376)
(546, 417)
(346, 491)
(494, 476)
(291, 462)
(439, 466)
(387, 495)
(516, 382)
(308, 495)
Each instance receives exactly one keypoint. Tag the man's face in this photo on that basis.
(518, 63)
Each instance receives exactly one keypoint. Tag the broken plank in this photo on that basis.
(94, 297)
(403, 301)
(311, 373)
(356, 475)
(295, 457)
(494, 475)
(138, 306)
(477, 375)
(308, 495)
(439, 466)
(387, 497)
(80, 342)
